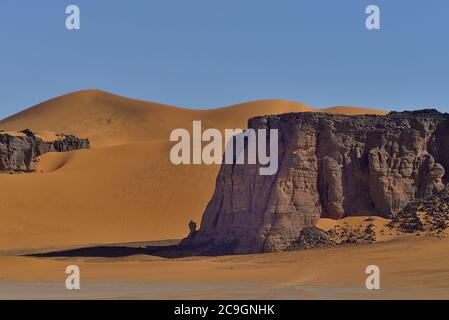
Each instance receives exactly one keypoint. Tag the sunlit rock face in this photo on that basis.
(330, 166)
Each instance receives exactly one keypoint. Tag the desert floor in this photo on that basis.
(411, 268)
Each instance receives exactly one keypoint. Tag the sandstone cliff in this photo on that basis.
(330, 166)
(18, 153)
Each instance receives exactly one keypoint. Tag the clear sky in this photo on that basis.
(210, 53)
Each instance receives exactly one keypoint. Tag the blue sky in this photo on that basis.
(204, 53)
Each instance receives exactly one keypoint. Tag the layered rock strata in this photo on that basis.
(330, 166)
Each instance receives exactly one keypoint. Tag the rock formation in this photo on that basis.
(330, 166)
(311, 237)
(429, 214)
(18, 153)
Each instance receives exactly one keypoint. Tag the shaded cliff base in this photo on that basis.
(426, 217)
(326, 233)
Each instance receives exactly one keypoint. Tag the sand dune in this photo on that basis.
(124, 188)
(109, 120)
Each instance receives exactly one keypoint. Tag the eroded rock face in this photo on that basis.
(330, 166)
(19, 153)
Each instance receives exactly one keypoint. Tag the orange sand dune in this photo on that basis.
(108, 120)
(123, 189)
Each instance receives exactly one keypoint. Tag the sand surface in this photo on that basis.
(410, 269)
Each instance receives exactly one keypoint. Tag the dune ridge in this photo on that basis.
(108, 119)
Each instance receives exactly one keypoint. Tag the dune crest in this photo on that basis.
(108, 119)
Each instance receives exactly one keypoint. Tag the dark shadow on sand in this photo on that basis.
(171, 251)
(165, 249)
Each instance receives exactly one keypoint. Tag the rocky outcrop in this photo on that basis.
(429, 214)
(18, 153)
(330, 166)
(311, 237)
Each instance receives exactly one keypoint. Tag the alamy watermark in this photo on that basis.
(189, 150)
(73, 20)
(73, 280)
(372, 282)
(372, 22)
